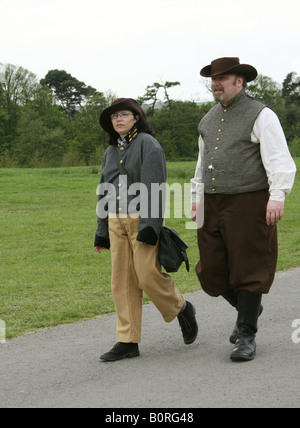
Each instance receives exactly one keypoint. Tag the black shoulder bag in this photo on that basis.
(172, 250)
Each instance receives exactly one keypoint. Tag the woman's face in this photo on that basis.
(123, 121)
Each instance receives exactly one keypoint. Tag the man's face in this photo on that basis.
(226, 86)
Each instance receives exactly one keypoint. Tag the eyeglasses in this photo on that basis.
(122, 115)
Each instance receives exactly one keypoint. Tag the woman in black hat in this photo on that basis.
(130, 217)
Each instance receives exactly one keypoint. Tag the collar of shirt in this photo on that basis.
(122, 143)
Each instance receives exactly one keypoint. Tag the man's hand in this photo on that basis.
(275, 212)
(194, 211)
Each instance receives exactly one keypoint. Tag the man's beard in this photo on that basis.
(219, 97)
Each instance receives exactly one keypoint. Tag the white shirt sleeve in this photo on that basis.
(196, 182)
(277, 160)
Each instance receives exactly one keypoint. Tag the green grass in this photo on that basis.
(49, 271)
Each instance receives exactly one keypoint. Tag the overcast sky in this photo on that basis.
(125, 45)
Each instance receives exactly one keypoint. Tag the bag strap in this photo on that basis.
(186, 260)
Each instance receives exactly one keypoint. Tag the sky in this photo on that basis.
(122, 46)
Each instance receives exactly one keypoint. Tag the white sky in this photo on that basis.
(125, 45)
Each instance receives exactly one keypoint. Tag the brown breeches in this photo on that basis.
(238, 250)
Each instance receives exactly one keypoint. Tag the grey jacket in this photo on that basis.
(131, 181)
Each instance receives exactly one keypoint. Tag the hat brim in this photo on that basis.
(246, 70)
(123, 104)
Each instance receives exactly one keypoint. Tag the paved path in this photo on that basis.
(60, 367)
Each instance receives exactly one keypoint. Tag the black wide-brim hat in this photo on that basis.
(229, 65)
(117, 105)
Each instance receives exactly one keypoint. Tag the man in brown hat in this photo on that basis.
(246, 171)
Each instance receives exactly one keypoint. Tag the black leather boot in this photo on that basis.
(248, 311)
(232, 297)
(234, 335)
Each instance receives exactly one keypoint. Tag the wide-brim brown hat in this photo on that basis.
(117, 105)
(229, 65)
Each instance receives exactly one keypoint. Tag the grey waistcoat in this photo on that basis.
(232, 164)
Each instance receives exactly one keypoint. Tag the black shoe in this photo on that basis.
(188, 324)
(120, 351)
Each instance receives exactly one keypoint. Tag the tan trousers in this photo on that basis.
(136, 268)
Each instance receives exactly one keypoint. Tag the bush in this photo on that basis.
(72, 158)
(8, 161)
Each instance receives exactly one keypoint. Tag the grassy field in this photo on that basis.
(49, 271)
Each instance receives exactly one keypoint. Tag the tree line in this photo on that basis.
(54, 121)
